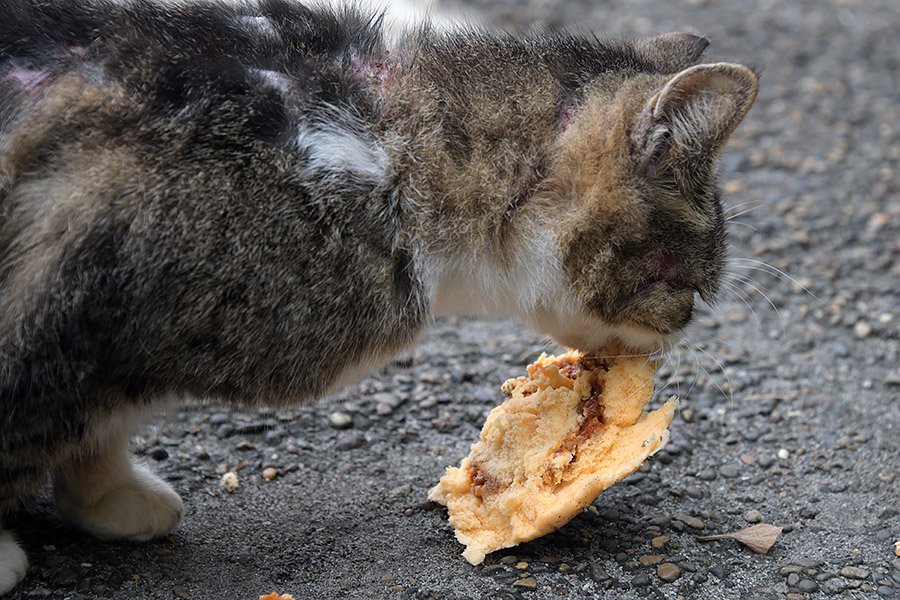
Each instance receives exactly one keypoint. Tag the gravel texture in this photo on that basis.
(790, 388)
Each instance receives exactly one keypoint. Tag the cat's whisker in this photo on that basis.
(730, 394)
(741, 295)
(747, 225)
(732, 207)
(729, 216)
(758, 265)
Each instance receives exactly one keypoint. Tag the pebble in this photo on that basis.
(219, 419)
(807, 586)
(668, 572)
(729, 471)
(528, 583)
(640, 580)
(650, 559)
(783, 454)
(765, 460)
(862, 330)
(158, 453)
(885, 591)
(340, 420)
(350, 441)
(692, 522)
(718, 571)
(269, 473)
(252, 428)
(659, 541)
(706, 475)
(753, 516)
(854, 573)
(597, 572)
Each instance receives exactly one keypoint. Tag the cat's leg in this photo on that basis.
(13, 562)
(106, 493)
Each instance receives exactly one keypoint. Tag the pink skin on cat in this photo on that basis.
(566, 115)
(380, 73)
(33, 79)
(29, 79)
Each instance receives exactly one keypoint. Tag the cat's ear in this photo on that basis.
(689, 120)
(672, 52)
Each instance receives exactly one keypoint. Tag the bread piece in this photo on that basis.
(568, 431)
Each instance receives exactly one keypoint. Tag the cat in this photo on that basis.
(259, 202)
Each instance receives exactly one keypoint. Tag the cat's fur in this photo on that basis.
(255, 203)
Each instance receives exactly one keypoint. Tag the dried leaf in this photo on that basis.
(758, 538)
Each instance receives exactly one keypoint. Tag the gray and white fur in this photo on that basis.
(258, 202)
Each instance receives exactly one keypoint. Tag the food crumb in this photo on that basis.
(230, 481)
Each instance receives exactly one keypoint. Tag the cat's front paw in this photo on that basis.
(13, 563)
(139, 507)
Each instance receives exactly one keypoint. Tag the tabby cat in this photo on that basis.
(256, 203)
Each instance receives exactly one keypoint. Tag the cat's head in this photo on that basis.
(632, 204)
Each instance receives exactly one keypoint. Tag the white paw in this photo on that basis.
(138, 507)
(13, 563)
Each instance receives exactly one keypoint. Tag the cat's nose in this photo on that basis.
(667, 270)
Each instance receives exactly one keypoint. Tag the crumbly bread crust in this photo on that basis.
(568, 431)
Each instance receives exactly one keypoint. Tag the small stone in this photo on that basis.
(383, 409)
(230, 481)
(748, 459)
(640, 580)
(765, 460)
(650, 559)
(521, 565)
(718, 571)
(897, 548)
(659, 541)
(729, 471)
(793, 579)
(783, 454)
(350, 441)
(807, 586)
(885, 591)
(219, 419)
(753, 516)
(340, 420)
(668, 572)
(527, 583)
(854, 573)
(706, 475)
(790, 570)
(692, 522)
(180, 592)
(794, 597)
(269, 473)
(158, 453)
(597, 572)
(862, 330)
